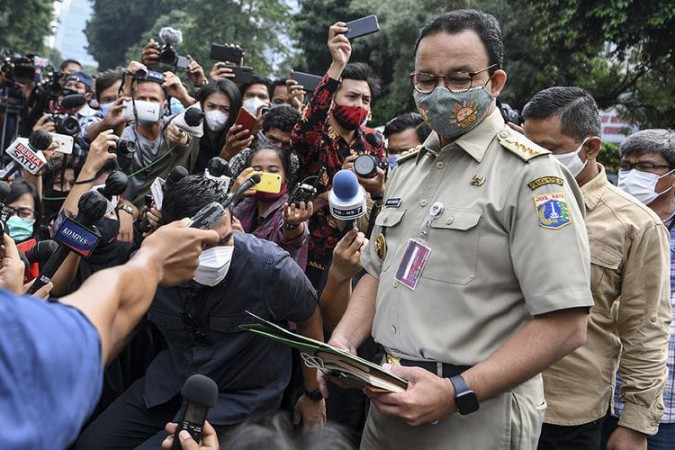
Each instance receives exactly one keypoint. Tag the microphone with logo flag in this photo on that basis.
(199, 394)
(76, 235)
(190, 121)
(158, 189)
(207, 217)
(347, 199)
(27, 154)
(219, 171)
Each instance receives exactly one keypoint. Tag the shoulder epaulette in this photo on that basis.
(520, 145)
(408, 154)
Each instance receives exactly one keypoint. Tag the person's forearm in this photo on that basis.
(65, 275)
(311, 328)
(357, 321)
(115, 299)
(334, 298)
(542, 342)
(70, 203)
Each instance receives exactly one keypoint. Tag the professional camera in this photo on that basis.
(366, 166)
(167, 53)
(509, 114)
(125, 148)
(66, 124)
(149, 75)
(17, 68)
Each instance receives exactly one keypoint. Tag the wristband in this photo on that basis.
(290, 226)
(377, 196)
(90, 180)
(314, 395)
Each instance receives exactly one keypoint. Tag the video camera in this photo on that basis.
(149, 75)
(167, 53)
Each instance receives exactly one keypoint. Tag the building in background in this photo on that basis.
(69, 39)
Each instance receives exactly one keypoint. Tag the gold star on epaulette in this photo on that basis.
(520, 145)
(408, 154)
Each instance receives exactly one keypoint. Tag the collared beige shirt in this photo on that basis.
(494, 261)
(630, 260)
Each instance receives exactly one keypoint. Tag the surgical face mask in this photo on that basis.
(214, 263)
(106, 107)
(393, 161)
(252, 104)
(452, 114)
(176, 106)
(641, 185)
(215, 120)
(20, 229)
(572, 160)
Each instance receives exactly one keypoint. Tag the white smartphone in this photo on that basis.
(65, 143)
(148, 111)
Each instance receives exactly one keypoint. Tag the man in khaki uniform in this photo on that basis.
(478, 267)
(629, 275)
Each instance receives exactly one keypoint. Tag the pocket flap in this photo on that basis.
(603, 255)
(454, 219)
(165, 320)
(389, 217)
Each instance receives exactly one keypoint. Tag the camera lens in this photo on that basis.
(126, 148)
(67, 125)
(365, 166)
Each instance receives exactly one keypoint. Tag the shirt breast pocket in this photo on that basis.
(454, 238)
(229, 324)
(388, 221)
(605, 273)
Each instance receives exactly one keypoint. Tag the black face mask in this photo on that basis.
(109, 229)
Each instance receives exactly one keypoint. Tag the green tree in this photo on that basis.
(116, 25)
(25, 24)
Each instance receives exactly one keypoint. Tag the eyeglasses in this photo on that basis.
(642, 166)
(23, 212)
(455, 81)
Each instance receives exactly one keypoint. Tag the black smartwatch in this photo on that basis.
(465, 399)
(314, 395)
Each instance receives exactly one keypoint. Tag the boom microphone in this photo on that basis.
(73, 101)
(74, 235)
(199, 394)
(27, 154)
(347, 199)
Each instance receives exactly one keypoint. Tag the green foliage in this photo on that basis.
(25, 24)
(609, 156)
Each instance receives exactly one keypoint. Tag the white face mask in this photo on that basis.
(572, 161)
(214, 263)
(252, 104)
(215, 120)
(641, 185)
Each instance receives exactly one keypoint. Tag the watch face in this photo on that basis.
(467, 402)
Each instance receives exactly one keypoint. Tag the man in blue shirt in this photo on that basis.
(200, 322)
(52, 354)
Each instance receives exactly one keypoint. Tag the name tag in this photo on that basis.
(412, 264)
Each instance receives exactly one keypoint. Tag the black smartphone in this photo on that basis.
(361, 27)
(226, 53)
(242, 74)
(308, 81)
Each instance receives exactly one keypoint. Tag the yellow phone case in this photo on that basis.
(269, 182)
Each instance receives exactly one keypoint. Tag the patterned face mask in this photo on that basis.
(349, 117)
(452, 114)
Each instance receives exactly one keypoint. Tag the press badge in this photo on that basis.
(412, 264)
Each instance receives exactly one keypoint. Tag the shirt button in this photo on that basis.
(423, 203)
(503, 134)
(393, 329)
(440, 165)
(450, 220)
(395, 283)
(653, 319)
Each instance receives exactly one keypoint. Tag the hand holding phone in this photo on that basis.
(269, 182)
(246, 119)
(362, 27)
(308, 81)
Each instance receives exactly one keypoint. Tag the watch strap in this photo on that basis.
(314, 395)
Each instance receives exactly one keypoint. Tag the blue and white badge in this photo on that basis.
(552, 210)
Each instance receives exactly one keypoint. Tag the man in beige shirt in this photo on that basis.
(628, 325)
(478, 266)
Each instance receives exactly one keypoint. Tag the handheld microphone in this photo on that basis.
(27, 154)
(219, 170)
(191, 120)
(347, 199)
(41, 252)
(207, 217)
(74, 235)
(199, 394)
(114, 186)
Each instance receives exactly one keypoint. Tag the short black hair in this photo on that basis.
(659, 141)
(283, 117)
(106, 79)
(188, 195)
(65, 63)
(256, 79)
(17, 189)
(402, 123)
(362, 72)
(423, 131)
(484, 25)
(275, 84)
(578, 112)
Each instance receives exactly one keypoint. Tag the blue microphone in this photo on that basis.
(347, 199)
